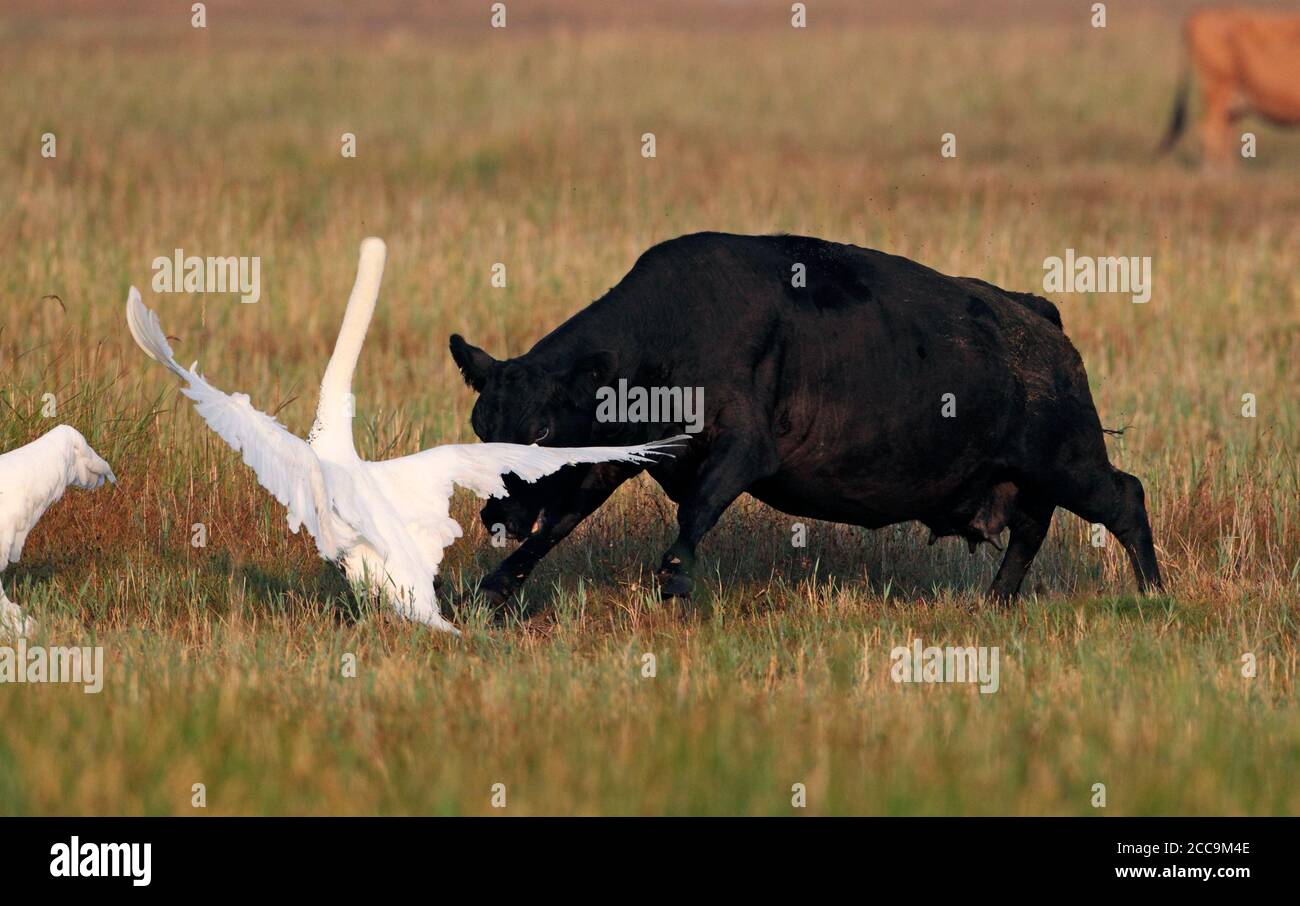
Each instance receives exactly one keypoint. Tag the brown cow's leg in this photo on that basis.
(1216, 123)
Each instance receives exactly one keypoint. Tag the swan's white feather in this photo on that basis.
(481, 468)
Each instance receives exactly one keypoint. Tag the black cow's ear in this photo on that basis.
(473, 362)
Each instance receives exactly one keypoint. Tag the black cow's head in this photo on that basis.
(520, 402)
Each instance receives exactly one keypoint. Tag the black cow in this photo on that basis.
(874, 390)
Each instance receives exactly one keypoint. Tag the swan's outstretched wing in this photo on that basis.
(482, 467)
(284, 464)
(34, 477)
(419, 486)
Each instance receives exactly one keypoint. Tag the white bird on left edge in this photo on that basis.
(388, 522)
(32, 478)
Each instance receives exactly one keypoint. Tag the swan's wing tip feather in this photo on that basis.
(147, 331)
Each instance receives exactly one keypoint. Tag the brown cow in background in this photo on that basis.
(1247, 61)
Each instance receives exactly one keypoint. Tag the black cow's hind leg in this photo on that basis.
(1029, 522)
(730, 468)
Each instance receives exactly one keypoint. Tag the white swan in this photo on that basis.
(32, 478)
(386, 522)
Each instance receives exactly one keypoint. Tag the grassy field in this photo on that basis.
(523, 146)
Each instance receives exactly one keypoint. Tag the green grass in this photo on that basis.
(225, 662)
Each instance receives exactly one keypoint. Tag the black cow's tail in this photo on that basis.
(1178, 118)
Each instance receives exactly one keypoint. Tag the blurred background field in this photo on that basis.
(522, 146)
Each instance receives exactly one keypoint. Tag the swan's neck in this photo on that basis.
(332, 432)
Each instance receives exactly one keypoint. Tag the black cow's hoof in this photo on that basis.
(488, 594)
(498, 594)
(675, 585)
(496, 599)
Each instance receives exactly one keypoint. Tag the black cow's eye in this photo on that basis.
(541, 437)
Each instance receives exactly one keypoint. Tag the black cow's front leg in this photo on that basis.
(1029, 522)
(502, 584)
(729, 470)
